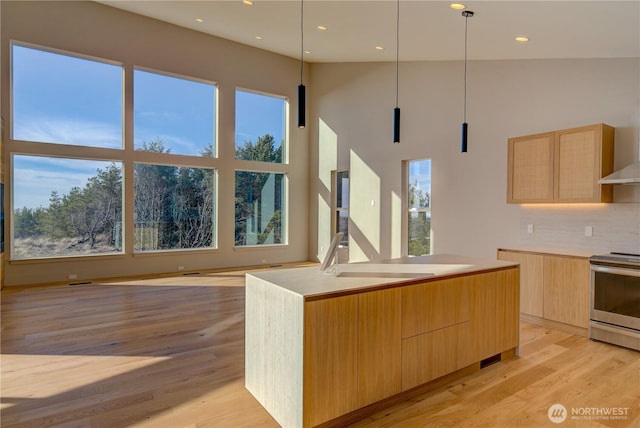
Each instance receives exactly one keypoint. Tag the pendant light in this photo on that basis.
(396, 110)
(465, 127)
(301, 89)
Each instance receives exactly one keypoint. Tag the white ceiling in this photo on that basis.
(429, 30)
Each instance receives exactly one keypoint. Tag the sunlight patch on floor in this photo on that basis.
(43, 373)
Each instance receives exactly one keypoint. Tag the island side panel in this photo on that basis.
(274, 320)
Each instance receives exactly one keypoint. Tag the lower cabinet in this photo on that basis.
(435, 330)
(379, 346)
(315, 361)
(430, 355)
(362, 348)
(566, 290)
(495, 314)
(531, 280)
(352, 353)
(553, 287)
(330, 359)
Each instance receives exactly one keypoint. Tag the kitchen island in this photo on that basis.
(321, 349)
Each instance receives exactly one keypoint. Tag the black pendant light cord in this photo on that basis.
(465, 126)
(302, 96)
(466, 19)
(397, 50)
(301, 38)
(396, 110)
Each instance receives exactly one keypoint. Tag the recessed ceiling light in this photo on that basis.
(522, 39)
(307, 52)
(199, 20)
(457, 6)
(379, 48)
(258, 37)
(321, 27)
(247, 2)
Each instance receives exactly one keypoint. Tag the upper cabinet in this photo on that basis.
(530, 169)
(561, 166)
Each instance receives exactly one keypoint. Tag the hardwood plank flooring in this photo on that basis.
(169, 352)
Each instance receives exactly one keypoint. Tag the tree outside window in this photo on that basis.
(419, 207)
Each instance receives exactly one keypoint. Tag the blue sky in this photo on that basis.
(62, 99)
(420, 171)
(37, 176)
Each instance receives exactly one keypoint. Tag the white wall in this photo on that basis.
(353, 104)
(350, 115)
(104, 32)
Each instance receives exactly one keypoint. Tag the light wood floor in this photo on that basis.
(169, 352)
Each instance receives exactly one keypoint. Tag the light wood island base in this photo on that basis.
(323, 350)
(360, 414)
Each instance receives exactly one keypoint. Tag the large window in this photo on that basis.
(260, 209)
(65, 99)
(419, 207)
(260, 213)
(173, 207)
(75, 200)
(260, 127)
(69, 205)
(173, 115)
(66, 207)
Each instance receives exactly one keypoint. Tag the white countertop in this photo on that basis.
(554, 251)
(311, 282)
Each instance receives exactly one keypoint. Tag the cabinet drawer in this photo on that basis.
(431, 306)
(430, 355)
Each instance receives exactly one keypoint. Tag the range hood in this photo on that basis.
(628, 175)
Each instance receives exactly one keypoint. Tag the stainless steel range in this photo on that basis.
(615, 299)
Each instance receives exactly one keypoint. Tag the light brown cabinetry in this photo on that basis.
(325, 355)
(379, 352)
(1, 200)
(434, 305)
(531, 280)
(494, 313)
(354, 359)
(462, 321)
(430, 355)
(435, 330)
(566, 290)
(530, 169)
(561, 166)
(553, 288)
(330, 363)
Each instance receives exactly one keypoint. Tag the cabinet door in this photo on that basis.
(531, 280)
(330, 358)
(495, 313)
(566, 290)
(530, 169)
(582, 157)
(379, 345)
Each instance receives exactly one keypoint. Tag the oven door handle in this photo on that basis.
(615, 270)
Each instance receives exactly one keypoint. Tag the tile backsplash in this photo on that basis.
(614, 227)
